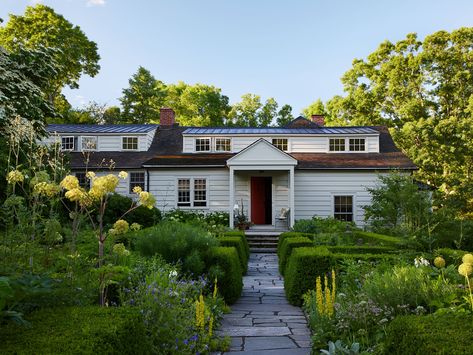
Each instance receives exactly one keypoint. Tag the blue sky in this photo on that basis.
(295, 51)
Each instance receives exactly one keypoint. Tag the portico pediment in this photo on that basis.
(261, 153)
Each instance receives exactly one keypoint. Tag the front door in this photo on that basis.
(261, 200)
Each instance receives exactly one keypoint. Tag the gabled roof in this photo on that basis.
(278, 130)
(261, 153)
(106, 128)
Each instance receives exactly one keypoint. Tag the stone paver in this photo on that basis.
(262, 321)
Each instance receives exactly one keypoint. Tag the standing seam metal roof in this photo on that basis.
(277, 130)
(90, 128)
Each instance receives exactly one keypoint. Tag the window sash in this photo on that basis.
(200, 193)
(183, 193)
(223, 144)
(202, 144)
(88, 143)
(130, 143)
(357, 144)
(280, 143)
(192, 192)
(67, 143)
(137, 179)
(337, 144)
(343, 208)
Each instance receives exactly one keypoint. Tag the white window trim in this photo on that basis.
(214, 145)
(129, 180)
(347, 144)
(192, 186)
(89, 149)
(73, 144)
(341, 193)
(203, 151)
(137, 143)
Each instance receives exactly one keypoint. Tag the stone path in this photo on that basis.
(262, 321)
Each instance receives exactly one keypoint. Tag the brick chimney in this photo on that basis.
(318, 119)
(167, 117)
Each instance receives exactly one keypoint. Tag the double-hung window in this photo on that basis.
(202, 144)
(67, 143)
(357, 144)
(280, 143)
(337, 144)
(88, 143)
(129, 143)
(137, 179)
(223, 145)
(343, 208)
(192, 192)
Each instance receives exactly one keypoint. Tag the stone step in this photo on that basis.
(263, 250)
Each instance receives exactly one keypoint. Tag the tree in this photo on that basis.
(315, 108)
(197, 105)
(41, 27)
(423, 90)
(250, 112)
(143, 98)
(284, 115)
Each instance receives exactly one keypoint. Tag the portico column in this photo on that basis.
(231, 200)
(292, 212)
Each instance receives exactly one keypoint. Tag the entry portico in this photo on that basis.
(262, 180)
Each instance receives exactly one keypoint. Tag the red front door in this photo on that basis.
(261, 200)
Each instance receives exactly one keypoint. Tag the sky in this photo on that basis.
(293, 50)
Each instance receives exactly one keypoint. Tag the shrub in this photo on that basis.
(78, 330)
(318, 225)
(226, 267)
(287, 247)
(118, 204)
(177, 242)
(238, 244)
(304, 265)
(378, 239)
(451, 256)
(362, 249)
(286, 235)
(242, 235)
(431, 334)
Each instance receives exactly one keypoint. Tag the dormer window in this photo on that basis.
(223, 145)
(130, 143)
(202, 145)
(337, 144)
(89, 143)
(280, 143)
(357, 144)
(67, 143)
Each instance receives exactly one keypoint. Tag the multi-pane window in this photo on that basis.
(192, 192)
(183, 192)
(337, 144)
(280, 143)
(202, 144)
(357, 144)
(89, 143)
(137, 179)
(83, 180)
(130, 143)
(343, 208)
(67, 143)
(223, 145)
(200, 193)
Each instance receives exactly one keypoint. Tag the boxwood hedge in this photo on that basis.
(226, 265)
(287, 247)
(237, 243)
(378, 239)
(286, 235)
(242, 235)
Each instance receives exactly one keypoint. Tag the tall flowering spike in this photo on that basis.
(211, 325)
(215, 289)
(319, 298)
(334, 286)
(200, 313)
(328, 303)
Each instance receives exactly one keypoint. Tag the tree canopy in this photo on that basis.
(41, 27)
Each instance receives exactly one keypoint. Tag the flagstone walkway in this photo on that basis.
(262, 321)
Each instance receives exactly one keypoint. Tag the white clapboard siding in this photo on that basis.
(315, 191)
(110, 142)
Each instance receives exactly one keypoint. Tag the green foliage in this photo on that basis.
(339, 348)
(378, 239)
(177, 242)
(315, 108)
(238, 244)
(226, 267)
(446, 333)
(41, 27)
(118, 204)
(451, 256)
(74, 330)
(216, 222)
(398, 206)
(318, 225)
(284, 115)
(302, 269)
(287, 246)
(251, 112)
(286, 235)
(241, 234)
(360, 249)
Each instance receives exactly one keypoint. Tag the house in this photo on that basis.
(305, 167)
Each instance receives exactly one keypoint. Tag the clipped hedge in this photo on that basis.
(287, 247)
(226, 265)
(360, 249)
(242, 235)
(378, 239)
(306, 263)
(431, 334)
(78, 330)
(237, 243)
(286, 235)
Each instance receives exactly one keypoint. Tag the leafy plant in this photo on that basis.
(338, 348)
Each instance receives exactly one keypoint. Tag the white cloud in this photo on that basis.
(91, 3)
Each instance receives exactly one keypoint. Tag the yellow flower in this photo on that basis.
(319, 298)
(439, 262)
(146, 199)
(465, 269)
(70, 182)
(90, 175)
(468, 258)
(15, 176)
(46, 189)
(135, 226)
(110, 182)
(200, 313)
(121, 226)
(123, 175)
(78, 195)
(120, 250)
(97, 191)
(137, 189)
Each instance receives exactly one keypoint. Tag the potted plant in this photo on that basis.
(241, 220)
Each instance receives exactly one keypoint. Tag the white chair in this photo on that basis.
(283, 217)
